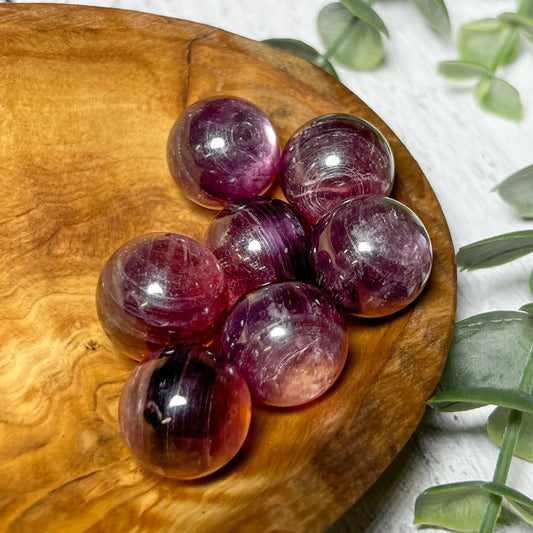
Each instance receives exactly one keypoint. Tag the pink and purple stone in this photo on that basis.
(333, 158)
(159, 289)
(258, 241)
(372, 255)
(288, 340)
(184, 412)
(223, 149)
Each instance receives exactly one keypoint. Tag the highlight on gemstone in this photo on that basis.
(288, 340)
(159, 289)
(333, 158)
(185, 412)
(372, 255)
(223, 149)
(257, 241)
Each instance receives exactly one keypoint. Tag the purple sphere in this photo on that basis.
(288, 340)
(184, 413)
(159, 289)
(372, 255)
(223, 149)
(331, 159)
(257, 241)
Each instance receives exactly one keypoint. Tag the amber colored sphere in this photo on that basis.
(185, 412)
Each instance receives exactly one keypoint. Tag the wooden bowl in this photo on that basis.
(87, 100)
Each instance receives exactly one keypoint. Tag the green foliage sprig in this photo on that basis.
(490, 363)
(484, 46)
(352, 32)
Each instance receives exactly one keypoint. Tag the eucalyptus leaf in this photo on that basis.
(350, 41)
(456, 506)
(495, 251)
(435, 13)
(523, 22)
(464, 399)
(528, 308)
(517, 191)
(499, 97)
(496, 427)
(524, 512)
(483, 41)
(363, 11)
(305, 51)
(518, 501)
(526, 8)
(490, 350)
(462, 70)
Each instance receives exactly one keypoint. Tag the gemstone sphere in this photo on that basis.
(159, 289)
(184, 413)
(332, 158)
(372, 255)
(257, 241)
(222, 149)
(288, 340)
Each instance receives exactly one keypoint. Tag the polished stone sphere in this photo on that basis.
(372, 255)
(258, 240)
(223, 149)
(159, 289)
(185, 412)
(333, 158)
(288, 340)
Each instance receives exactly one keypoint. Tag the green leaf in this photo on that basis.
(435, 13)
(350, 41)
(361, 10)
(526, 513)
(526, 8)
(523, 22)
(528, 308)
(489, 350)
(456, 506)
(462, 70)
(305, 51)
(488, 42)
(464, 399)
(517, 191)
(495, 251)
(518, 501)
(499, 97)
(496, 427)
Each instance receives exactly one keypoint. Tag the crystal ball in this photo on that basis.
(372, 255)
(223, 149)
(184, 412)
(288, 340)
(258, 240)
(159, 289)
(333, 158)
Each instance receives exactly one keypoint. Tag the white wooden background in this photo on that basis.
(464, 152)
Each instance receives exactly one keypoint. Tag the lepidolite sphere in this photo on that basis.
(288, 340)
(159, 289)
(257, 241)
(333, 158)
(372, 255)
(184, 412)
(223, 149)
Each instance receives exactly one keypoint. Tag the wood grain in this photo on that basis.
(87, 99)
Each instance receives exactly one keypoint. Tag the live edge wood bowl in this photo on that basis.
(87, 100)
